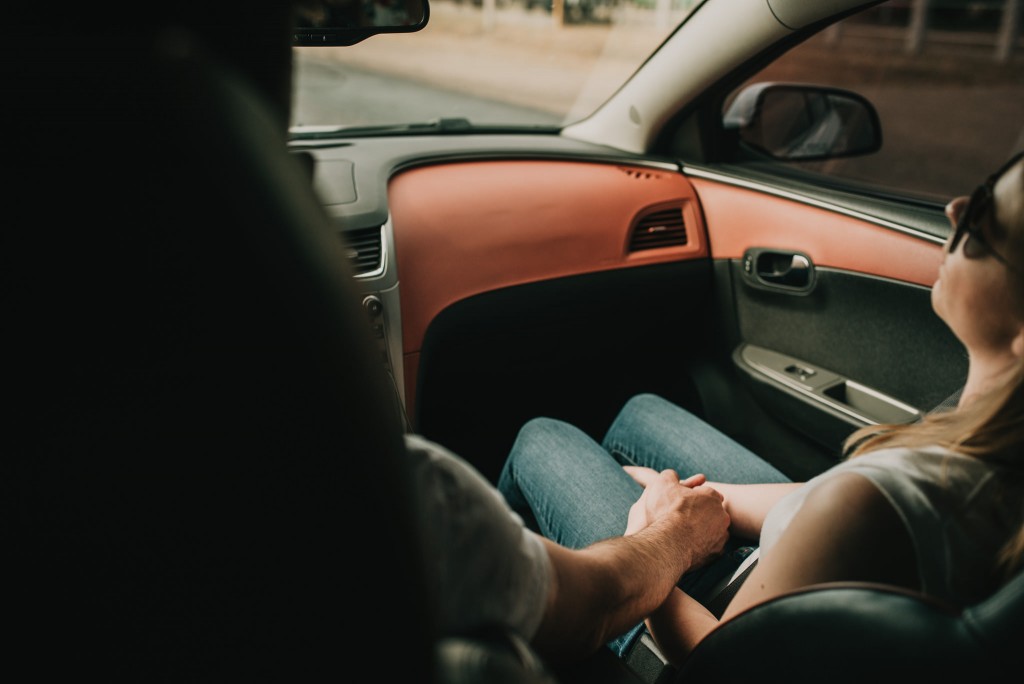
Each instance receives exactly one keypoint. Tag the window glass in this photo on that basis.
(490, 62)
(947, 80)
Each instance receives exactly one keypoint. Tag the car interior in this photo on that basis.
(218, 335)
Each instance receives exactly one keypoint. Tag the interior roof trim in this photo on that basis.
(707, 174)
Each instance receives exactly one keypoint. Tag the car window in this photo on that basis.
(946, 78)
(491, 62)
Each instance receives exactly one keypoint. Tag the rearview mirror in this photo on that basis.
(346, 22)
(795, 122)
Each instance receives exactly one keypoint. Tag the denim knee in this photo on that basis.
(527, 447)
(643, 403)
(639, 418)
(532, 435)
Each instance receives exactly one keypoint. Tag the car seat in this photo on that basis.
(854, 632)
(204, 478)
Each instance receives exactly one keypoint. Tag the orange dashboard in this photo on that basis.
(465, 228)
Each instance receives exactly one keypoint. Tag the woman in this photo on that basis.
(936, 506)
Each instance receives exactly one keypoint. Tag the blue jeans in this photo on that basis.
(573, 490)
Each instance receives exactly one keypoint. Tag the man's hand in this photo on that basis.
(604, 589)
(693, 508)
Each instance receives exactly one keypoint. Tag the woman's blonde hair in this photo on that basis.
(989, 427)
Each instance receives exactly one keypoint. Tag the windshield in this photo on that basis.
(491, 62)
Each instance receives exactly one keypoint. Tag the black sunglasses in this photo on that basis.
(980, 206)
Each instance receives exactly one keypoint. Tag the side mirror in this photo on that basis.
(346, 22)
(795, 122)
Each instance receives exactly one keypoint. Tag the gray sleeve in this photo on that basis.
(487, 567)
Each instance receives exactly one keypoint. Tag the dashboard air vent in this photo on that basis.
(365, 249)
(661, 228)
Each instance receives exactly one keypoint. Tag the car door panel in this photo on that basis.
(864, 333)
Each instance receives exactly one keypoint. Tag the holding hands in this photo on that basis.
(695, 509)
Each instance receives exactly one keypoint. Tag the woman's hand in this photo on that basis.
(644, 475)
(663, 495)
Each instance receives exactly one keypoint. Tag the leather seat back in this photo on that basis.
(206, 476)
(857, 632)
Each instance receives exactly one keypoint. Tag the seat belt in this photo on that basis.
(646, 659)
(719, 602)
(949, 403)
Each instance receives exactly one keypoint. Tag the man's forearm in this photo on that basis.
(600, 592)
(643, 568)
